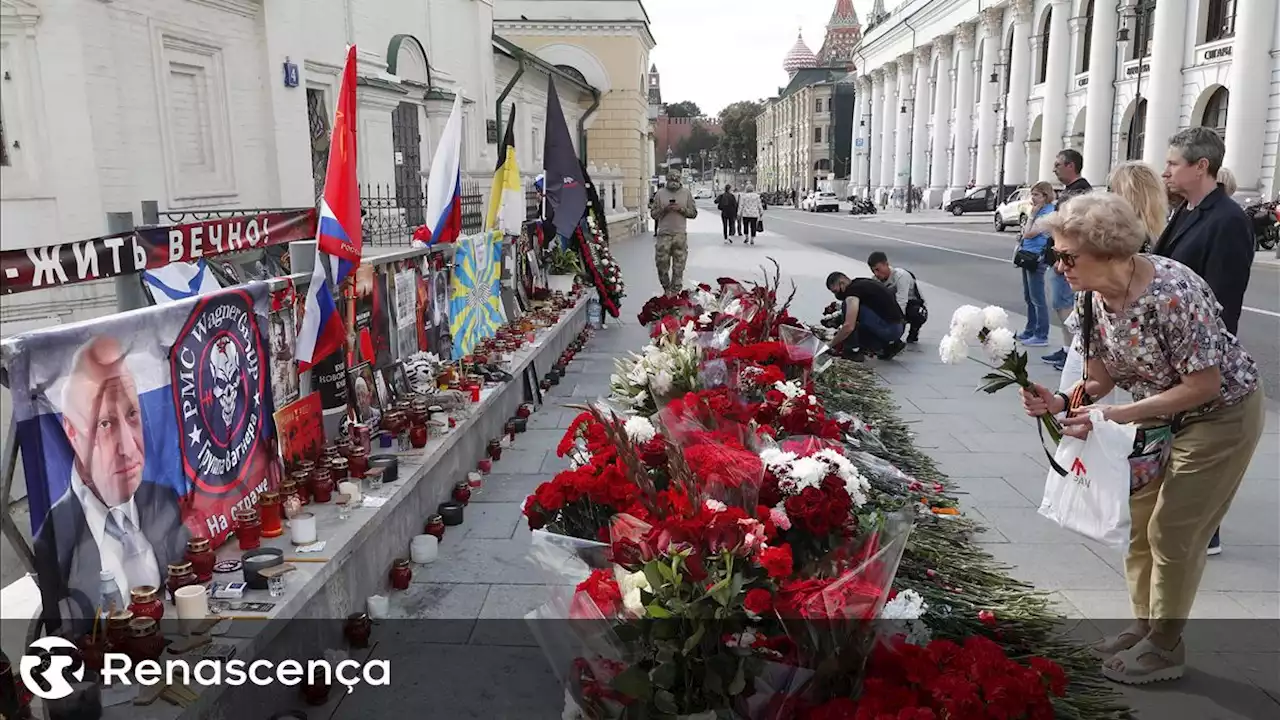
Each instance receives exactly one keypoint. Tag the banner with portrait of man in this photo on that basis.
(137, 432)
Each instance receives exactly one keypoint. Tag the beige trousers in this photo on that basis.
(1175, 516)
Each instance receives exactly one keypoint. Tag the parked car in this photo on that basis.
(1014, 211)
(702, 194)
(822, 202)
(979, 199)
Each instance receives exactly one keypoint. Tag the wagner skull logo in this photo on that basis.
(224, 361)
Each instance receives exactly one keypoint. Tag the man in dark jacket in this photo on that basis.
(872, 320)
(727, 203)
(1208, 232)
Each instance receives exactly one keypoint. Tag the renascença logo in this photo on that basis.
(48, 663)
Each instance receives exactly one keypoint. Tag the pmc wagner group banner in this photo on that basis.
(139, 431)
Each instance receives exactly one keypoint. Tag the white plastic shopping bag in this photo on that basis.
(1092, 498)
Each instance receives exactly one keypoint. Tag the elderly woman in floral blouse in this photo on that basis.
(1151, 326)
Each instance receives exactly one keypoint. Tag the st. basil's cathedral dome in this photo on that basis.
(799, 57)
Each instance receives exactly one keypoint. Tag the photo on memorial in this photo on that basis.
(405, 285)
(283, 336)
(368, 405)
(301, 429)
(397, 381)
(185, 393)
(381, 321)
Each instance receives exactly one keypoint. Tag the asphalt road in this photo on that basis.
(975, 261)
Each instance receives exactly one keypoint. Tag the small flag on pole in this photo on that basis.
(506, 197)
(338, 241)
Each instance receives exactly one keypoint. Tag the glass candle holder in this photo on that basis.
(271, 514)
(358, 463)
(322, 485)
(435, 526)
(145, 640)
(200, 554)
(180, 575)
(485, 466)
(344, 511)
(375, 478)
(462, 492)
(401, 574)
(276, 586)
(248, 529)
(145, 602)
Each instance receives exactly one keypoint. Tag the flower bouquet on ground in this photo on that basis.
(989, 327)
(665, 368)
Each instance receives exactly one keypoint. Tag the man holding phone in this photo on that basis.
(671, 209)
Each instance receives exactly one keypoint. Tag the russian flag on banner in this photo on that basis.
(444, 184)
(338, 241)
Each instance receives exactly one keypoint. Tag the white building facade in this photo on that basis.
(941, 83)
(201, 104)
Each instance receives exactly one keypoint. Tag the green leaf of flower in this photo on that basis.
(695, 638)
(633, 682)
(655, 610)
(664, 676)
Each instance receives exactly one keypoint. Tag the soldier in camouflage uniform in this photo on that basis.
(671, 209)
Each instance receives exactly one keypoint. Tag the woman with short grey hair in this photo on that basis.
(750, 209)
(1151, 326)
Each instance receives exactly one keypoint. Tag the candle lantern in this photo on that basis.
(200, 555)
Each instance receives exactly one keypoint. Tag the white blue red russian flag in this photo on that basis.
(338, 240)
(444, 182)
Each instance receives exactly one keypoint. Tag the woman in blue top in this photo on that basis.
(1035, 241)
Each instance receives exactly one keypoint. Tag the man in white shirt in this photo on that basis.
(108, 519)
(902, 283)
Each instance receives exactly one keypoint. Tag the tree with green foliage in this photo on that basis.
(698, 139)
(682, 109)
(738, 134)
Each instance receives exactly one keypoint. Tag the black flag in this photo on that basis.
(565, 186)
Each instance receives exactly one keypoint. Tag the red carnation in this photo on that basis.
(603, 591)
(777, 561)
(758, 601)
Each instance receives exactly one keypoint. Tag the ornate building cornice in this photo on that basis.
(1022, 10)
(992, 22)
(942, 45)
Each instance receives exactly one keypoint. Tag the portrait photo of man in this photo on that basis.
(108, 519)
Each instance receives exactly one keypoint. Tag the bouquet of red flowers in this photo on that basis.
(679, 306)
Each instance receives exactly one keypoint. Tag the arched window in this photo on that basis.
(1088, 37)
(1220, 23)
(1215, 111)
(1137, 132)
(1044, 46)
(574, 73)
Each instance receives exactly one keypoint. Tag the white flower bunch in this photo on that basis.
(790, 388)
(904, 614)
(669, 364)
(630, 585)
(797, 473)
(639, 430)
(703, 299)
(989, 326)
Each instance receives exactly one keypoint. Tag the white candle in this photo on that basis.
(423, 549)
(378, 606)
(351, 490)
(193, 605)
(302, 529)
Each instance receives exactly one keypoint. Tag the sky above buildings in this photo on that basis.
(716, 52)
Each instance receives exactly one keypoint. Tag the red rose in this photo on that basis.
(777, 561)
(758, 601)
(987, 618)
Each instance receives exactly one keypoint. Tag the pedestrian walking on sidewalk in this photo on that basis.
(902, 283)
(1208, 232)
(728, 206)
(1067, 167)
(1030, 258)
(671, 209)
(750, 209)
(1151, 326)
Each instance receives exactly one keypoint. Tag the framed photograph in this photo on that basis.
(368, 405)
(397, 382)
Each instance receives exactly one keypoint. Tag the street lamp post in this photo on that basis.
(866, 120)
(911, 140)
(1004, 124)
(1138, 13)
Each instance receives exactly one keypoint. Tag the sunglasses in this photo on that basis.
(1067, 259)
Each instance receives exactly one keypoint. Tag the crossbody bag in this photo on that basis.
(1152, 445)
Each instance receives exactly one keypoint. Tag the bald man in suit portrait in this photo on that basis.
(108, 519)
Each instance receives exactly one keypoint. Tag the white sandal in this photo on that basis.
(1107, 647)
(1133, 672)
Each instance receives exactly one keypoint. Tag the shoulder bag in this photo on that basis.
(916, 312)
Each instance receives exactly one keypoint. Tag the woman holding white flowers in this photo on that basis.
(1030, 258)
(1152, 327)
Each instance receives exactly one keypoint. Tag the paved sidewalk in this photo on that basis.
(984, 442)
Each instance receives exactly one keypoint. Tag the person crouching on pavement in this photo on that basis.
(671, 210)
(872, 321)
(902, 283)
(1153, 327)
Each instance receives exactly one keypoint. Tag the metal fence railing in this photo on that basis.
(391, 216)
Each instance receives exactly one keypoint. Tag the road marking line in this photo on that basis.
(1260, 311)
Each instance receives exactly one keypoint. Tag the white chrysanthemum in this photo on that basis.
(967, 321)
(715, 505)
(704, 319)
(776, 459)
(630, 586)
(907, 605)
(953, 349)
(808, 472)
(661, 383)
(640, 399)
(994, 316)
(639, 430)
(1000, 342)
(791, 389)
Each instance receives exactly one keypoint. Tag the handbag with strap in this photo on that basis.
(1026, 259)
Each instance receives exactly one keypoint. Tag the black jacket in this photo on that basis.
(1214, 239)
(728, 204)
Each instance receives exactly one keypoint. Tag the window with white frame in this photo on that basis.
(195, 123)
(1220, 22)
